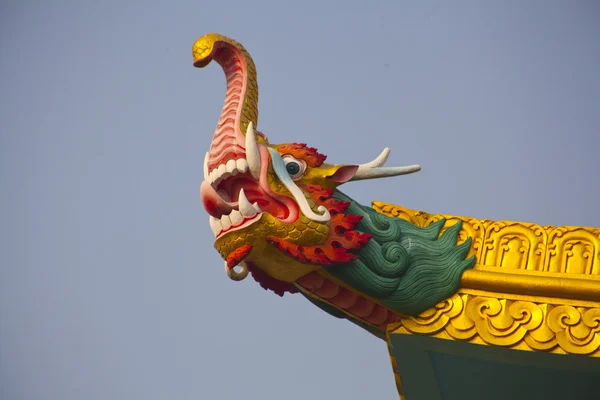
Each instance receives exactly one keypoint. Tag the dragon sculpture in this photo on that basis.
(278, 215)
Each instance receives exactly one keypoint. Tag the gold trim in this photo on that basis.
(549, 286)
(572, 251)
(512, 323)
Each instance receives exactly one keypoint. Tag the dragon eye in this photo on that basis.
(294, 167)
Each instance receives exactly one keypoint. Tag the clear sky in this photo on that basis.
(109, 285)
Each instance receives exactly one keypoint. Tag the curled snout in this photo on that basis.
(235, 275)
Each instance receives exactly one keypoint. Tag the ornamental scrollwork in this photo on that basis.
(509, 323)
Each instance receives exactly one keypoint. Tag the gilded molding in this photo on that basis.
(513, 323)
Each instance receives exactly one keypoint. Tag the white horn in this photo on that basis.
(379, 161)
(374, 169)
(206, 167)
(234, 275)
(252, 154)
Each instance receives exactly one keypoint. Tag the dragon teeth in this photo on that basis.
(225, 222)
(244, 205)
(252, 153)
(212, 176)
(215, 225)
(232, 167)
(241, 165)
(236, 217)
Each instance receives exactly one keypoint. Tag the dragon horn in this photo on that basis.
(374, 169)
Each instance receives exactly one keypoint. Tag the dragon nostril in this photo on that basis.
(340, 230)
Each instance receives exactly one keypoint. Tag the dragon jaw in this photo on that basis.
(262, 220)
(236, 192)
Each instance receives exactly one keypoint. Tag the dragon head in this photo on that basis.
(271, 206)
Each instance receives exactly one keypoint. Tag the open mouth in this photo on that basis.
(234, 199)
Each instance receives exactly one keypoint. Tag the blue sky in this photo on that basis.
(109, 285)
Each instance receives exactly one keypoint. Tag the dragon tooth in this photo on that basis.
(213, 176)
(244, 205)
(236, 217)
(222, 170)
(206, 175)
(230, 166)
(256, 207)
(215, 225)
(252, 153)
(242, 165)
(225, 222)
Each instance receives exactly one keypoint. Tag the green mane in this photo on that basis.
(407, 268)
